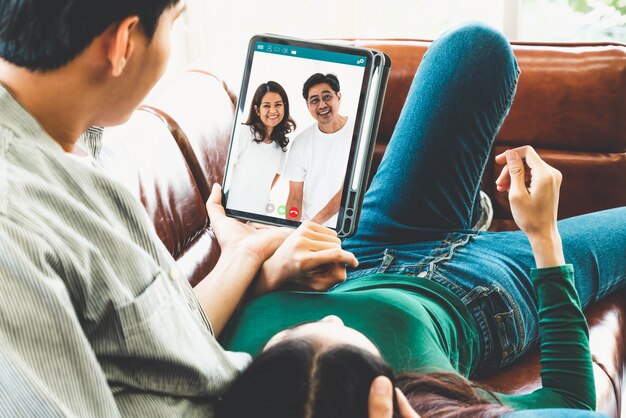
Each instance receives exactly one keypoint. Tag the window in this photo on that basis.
(573, 20)
(214, 35)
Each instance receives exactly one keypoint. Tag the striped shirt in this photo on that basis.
(95, 319)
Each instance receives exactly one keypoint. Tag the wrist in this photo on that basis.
(266, 279)
(544, 237)
(242, 256)
(547, 248)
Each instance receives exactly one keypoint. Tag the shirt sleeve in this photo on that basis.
(242, 143)
(566, 367)
(47, 366)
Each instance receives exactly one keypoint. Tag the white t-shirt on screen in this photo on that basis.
(320, 161)
(256, 165)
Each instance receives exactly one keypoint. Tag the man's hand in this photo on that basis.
(244, 249)
(534, 207)
(310, 259)
(232, 234)
(381, 400)
(294, 200)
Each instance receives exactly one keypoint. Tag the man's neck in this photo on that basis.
(54, 98)
(335, 126)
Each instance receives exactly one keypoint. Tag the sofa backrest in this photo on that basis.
(169, 154)
(570, 105)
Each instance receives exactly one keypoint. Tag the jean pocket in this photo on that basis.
(508, 337)
(499, 323)
(507, 325)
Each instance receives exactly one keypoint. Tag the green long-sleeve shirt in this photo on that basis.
(419, 325)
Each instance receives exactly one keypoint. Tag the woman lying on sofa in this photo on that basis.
(433, 301)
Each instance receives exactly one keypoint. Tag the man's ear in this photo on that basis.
(122, 45)
(339, 95)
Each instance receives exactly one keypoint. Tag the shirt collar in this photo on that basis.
(15, 117)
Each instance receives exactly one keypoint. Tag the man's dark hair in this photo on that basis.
(43, 35)
(319, 78)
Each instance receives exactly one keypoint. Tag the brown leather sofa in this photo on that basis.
(570, 105)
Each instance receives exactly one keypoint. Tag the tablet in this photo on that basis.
(304, 132)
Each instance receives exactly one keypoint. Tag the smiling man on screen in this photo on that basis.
(318, 158)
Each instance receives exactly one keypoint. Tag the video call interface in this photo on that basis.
(290, 153)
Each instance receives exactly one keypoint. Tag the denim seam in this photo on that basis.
(450, 247)
(516, 317)
(509, 103)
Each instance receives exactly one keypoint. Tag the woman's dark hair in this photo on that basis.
(43, 35)
(280, 131)
(294, 379)
(297, 379)
(448, 395)
(319, 78)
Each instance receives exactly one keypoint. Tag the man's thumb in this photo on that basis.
(516, 171)
(214, 202)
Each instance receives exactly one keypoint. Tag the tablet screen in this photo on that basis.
(294, 133)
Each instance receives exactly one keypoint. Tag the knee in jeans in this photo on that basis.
(478, 38)
(484, 34)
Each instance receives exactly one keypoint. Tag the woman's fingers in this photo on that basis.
(404, 407)
(503, 182)
(530, 161)
(516, 171)
(526, 153)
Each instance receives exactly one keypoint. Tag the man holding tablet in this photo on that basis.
(317, 160)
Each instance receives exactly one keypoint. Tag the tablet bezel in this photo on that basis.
(351, 198)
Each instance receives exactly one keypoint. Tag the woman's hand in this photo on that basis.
(233, 235)
(381, 400)
(534, 207)
(311, 258)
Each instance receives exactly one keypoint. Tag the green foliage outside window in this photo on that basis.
(574, 20)
(586, 6)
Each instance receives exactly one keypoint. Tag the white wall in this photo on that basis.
(214, 34)
(219, 30)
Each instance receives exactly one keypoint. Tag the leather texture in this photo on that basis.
(570, 105)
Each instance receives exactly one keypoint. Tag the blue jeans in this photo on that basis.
(420, 208)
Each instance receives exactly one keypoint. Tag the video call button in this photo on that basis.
(294, 212)
(282, 210)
